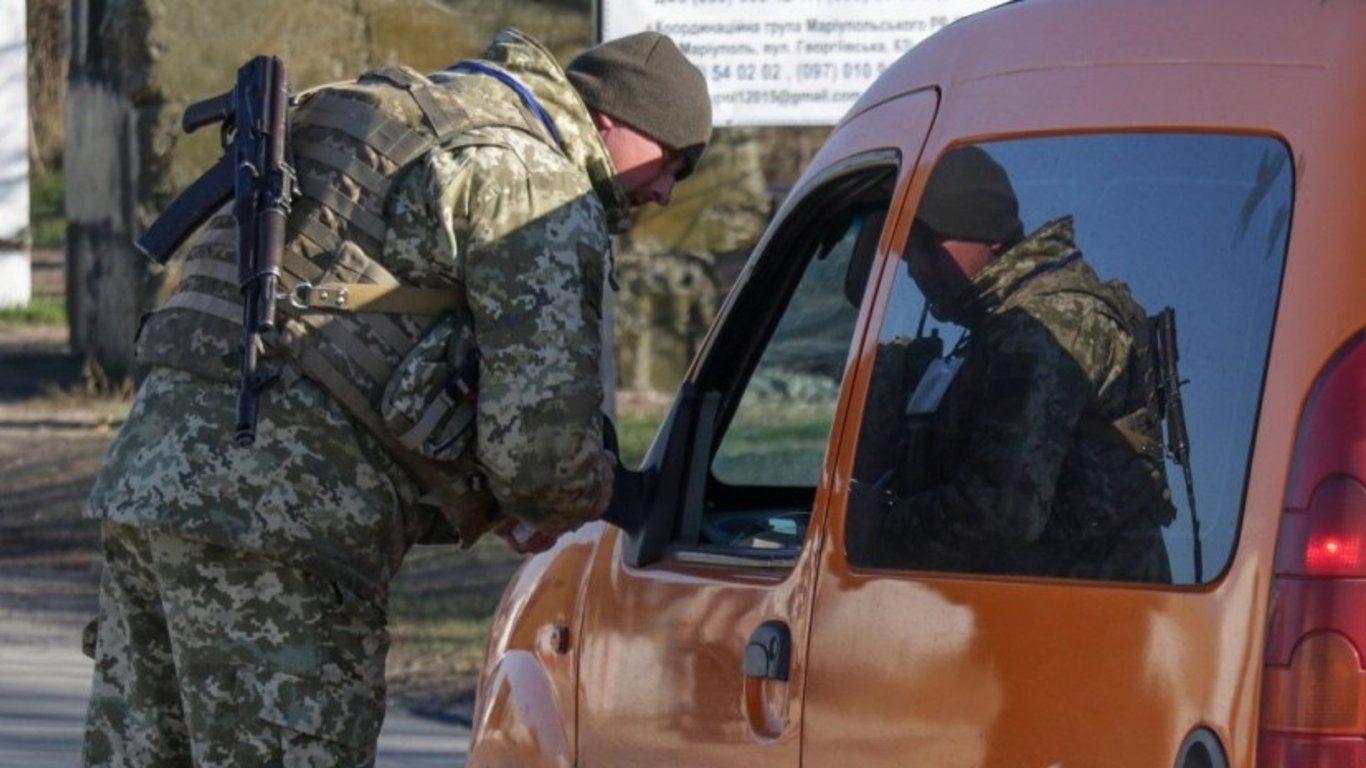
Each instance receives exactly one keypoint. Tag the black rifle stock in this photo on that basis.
(1169, 383)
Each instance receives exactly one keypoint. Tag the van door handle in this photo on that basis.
(769, 652)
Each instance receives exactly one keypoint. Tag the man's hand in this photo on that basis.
(523, 538)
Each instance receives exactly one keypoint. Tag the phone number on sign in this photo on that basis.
(861, 71)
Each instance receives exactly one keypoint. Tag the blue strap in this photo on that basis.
(522, 91)
(1051, 266)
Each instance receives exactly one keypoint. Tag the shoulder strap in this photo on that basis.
(419, 88)
(528, 98)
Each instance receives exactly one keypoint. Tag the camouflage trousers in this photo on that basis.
(210, 657)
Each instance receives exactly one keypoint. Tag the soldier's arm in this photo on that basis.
(531, 253)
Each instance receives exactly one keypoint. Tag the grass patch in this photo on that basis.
(773, 454)
(47, 209)
(41, 310)
(635, 432)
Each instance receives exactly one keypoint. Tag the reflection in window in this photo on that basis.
(1193, 222)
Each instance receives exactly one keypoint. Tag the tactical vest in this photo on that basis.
(1140, 429)
(344, 321)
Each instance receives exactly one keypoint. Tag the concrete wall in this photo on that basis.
(16, 283)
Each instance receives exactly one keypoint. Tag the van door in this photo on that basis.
(693, 643)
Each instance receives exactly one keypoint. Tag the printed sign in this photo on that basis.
(787, 62)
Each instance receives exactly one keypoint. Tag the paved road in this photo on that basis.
(43, 690)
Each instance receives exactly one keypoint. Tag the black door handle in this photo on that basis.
(769, 652)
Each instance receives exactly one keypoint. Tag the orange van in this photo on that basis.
(1212, 156)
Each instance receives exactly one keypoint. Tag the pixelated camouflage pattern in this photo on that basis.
(535, 67)
(228, 659)
(429, 402)
(503, 214)
(313, 489)
(1015, 486)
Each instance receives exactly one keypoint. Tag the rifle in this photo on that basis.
(254, 171)
(1165, 354)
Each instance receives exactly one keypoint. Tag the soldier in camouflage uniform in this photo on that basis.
(1044, 456)
(243, 603)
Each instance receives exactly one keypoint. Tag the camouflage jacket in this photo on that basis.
(1027, 472)
(523, 226)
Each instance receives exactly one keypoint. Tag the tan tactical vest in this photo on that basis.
(1140, 429)
(344, 320)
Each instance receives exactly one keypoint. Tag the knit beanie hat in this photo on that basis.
(969, 197)
(643, 80)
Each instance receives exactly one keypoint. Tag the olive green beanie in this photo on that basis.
(645, 81)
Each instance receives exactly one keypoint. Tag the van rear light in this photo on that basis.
(1321, 690)
(1328, 537)
(1310, 753)
(1313, 681)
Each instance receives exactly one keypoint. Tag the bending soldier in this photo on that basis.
(244, 597)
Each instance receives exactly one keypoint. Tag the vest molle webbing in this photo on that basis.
(345, 321)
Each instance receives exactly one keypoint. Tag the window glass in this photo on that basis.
(778, 434)
(1197, 223)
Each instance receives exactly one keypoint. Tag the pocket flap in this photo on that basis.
(325, 711)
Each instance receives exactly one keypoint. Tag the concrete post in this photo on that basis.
(16, 274)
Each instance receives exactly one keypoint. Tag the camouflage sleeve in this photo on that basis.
(1042, 371)
(532, 245)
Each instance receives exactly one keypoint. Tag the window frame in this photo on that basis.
(678, 488)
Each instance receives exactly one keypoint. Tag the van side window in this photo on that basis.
(779, 431)
(952, 475)
(789, 338)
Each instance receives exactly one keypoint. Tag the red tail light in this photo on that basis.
(1313, 682)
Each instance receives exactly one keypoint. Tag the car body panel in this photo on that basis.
(525, 709)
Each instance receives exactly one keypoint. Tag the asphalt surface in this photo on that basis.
(45, 681)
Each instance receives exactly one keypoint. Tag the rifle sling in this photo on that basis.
(343, 297)
(356, 297)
